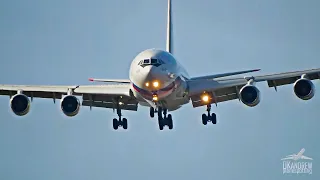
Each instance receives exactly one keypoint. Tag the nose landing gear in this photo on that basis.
(164, 120)
(210, 117)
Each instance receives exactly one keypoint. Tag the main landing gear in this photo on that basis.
(119, 122)
(152, 112)
(210, 117)
(163, 120)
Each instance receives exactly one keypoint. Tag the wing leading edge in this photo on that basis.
(92, 95)
(228, 88)
(224, 74)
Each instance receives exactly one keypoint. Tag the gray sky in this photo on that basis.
(67, 41)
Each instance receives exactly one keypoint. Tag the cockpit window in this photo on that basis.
(160, 61)
(146, 61)
(152, 61)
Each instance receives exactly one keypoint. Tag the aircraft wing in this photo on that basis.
(92, 95)
(287, 158)
(225, 89)
(224, 74)
(305, 157)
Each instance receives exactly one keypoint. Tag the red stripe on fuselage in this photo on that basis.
(160, 92)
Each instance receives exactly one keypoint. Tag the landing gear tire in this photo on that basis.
(213, 118)
(160, 122)
(204, 119)
(170, 122)
(152, 112)
(164, 120)
(159, 112)
(115, 124)
(125, 123)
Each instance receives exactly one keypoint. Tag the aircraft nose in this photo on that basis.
(155, 77)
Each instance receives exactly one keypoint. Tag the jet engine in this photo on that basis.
(70, 105)
(20, 104)
(304, 89)
(250, 95)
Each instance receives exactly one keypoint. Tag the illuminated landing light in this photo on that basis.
(205, 98)
(155, 84)
(155, 98)
(147, 84)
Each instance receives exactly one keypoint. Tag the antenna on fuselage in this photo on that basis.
(169, 45)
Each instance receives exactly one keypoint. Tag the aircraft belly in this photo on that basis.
(176, 99)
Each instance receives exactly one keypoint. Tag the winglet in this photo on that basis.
(169, 44)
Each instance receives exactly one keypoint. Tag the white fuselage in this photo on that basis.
(155, 71)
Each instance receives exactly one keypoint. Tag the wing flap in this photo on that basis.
(110, 89)
(276, 79)
(219, 95)
(102, 104)
(196, 100)
(227, 89)
(96, 94)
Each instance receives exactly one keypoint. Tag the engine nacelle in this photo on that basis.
(304, 89)
(250, 95)
(70, 105)
(20, 104)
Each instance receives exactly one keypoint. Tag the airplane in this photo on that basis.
(297, 156)
(158, 81)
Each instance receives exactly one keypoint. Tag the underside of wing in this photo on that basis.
(215, 97)
(115, 96)
(108, 96)
(204, 91)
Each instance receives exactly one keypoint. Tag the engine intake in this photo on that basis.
(20, 104)
(250, 95)
(304, 89)
(70, 105)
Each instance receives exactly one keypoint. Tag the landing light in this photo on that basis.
(155, 98)
(155, 84)
(205, 98)
(147, 84)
